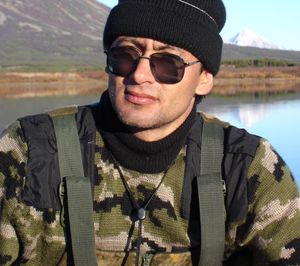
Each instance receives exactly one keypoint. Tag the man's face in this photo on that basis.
(142, 103)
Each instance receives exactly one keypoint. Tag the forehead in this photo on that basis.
(145, 43)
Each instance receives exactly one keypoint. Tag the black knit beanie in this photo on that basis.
(193, 25)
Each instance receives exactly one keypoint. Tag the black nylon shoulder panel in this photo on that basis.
(240, 141)
(42, 176)
(42, 172)
(240, 148)
(192, 166)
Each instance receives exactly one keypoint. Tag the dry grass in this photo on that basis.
(228, 72)
(229, 81)
(268, 80)
(237, 86)
(18, 85)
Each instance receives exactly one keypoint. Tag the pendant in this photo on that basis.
(141, 214)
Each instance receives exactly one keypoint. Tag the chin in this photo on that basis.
(139, 123)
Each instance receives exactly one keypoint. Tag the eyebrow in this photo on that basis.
(166, 47)
(157, 47)
(118, 41)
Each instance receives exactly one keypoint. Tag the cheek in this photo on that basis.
(182, 95)
(186, 89)
(112, 89)
(192, 81)
(115, 84)
(179, 97)
(112, 81)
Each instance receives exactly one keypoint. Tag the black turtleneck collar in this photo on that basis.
(133, 153)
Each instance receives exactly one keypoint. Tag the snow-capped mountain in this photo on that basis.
(248, 38)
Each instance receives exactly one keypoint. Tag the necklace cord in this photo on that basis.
(138, 209)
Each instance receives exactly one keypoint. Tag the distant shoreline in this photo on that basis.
(229, 81)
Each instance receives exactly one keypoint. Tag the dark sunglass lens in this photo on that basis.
(167, 68)
(121, 61)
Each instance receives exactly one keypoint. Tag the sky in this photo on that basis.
(276, 21)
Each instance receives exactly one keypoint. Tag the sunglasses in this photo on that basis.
(165, 67)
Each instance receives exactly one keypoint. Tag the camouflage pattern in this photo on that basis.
(108, 258)
(113, 204)
(30, 236)
(271, 230)
(27, 235)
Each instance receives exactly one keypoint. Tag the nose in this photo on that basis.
(143, 73)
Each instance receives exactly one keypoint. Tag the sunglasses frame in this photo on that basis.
(139, 57)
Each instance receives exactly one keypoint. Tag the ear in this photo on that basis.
(206, 82)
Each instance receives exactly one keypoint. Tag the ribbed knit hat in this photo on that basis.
(193, 25)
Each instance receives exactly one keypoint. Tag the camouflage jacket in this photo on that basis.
(262, 206)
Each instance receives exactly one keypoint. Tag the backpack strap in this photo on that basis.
(77, 188)
(211, 195)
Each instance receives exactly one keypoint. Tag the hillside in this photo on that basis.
(234, 52)
(39, 35)
(51, 33)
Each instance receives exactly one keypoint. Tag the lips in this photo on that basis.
(139, 98)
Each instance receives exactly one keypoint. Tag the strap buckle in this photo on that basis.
(61, 193)
(224, 189)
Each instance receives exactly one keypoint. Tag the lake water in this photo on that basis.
(276, 119)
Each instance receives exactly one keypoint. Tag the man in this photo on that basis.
(139, 147)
